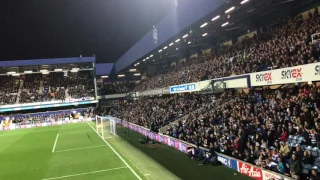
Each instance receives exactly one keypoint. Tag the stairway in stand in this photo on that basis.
(67, 93)
(19, 91)
(41, 87)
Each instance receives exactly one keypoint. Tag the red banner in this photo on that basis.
(176, 145)
(165, 140)
(150, 135)
(250, 170)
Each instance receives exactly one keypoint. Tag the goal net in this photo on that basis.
(106, 126)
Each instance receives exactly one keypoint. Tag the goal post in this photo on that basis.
(106, 126)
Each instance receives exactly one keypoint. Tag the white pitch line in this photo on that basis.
(55, 142)
(116, 153)
(75, 149)
(80, 174)
(74, 132)
(109, 137)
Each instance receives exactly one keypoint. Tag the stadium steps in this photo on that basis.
(41, 87)
(19, 91)
(67, 93)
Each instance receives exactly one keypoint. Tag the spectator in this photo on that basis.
(211, 157)
(295, 167)
(307, 158)
(281, 166)
(314, 174)
(299, 153)
(284, 149)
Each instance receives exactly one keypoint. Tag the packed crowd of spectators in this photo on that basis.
(9, 89)
(106, 88)
(285, 44)
(40, 88)
(30, 90)
(260, 126)
(54, 86)
(157, 111)
(80, 85)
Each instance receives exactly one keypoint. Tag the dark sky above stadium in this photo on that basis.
(33, 29)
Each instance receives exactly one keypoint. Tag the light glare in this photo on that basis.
(215, 18)
(230, 9)
(203, 25)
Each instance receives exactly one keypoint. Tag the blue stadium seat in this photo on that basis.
(315, 151)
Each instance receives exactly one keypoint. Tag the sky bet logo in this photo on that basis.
(317, 70)
(292, 73)
(264, 77)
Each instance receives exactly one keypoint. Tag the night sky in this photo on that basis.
(33, 29)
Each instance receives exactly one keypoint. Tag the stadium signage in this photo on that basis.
(250, 170)
(14, 126)
(317, 70)
(303, 73)
(268, 175)
(49, 104)
(264, 77)
(183, 88)
(224, 161)
(158, 91)
(292, 73)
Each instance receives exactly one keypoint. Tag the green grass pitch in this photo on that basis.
(77, 152)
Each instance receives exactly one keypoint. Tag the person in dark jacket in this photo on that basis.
(299, 153)
(315, 175)
(211, 157)
(307, 158)
(295, 167)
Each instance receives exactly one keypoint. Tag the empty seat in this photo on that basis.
(308, 166)
(301, 139)
(292, 145)
(309, 148)
(314, 151)
(317, 163)
(295, 140)
(305, 171)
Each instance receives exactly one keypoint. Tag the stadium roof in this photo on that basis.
(236, 18)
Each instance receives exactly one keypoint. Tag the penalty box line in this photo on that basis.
(55, 143)
(115, 152)
(80, 174)
(75, 149)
